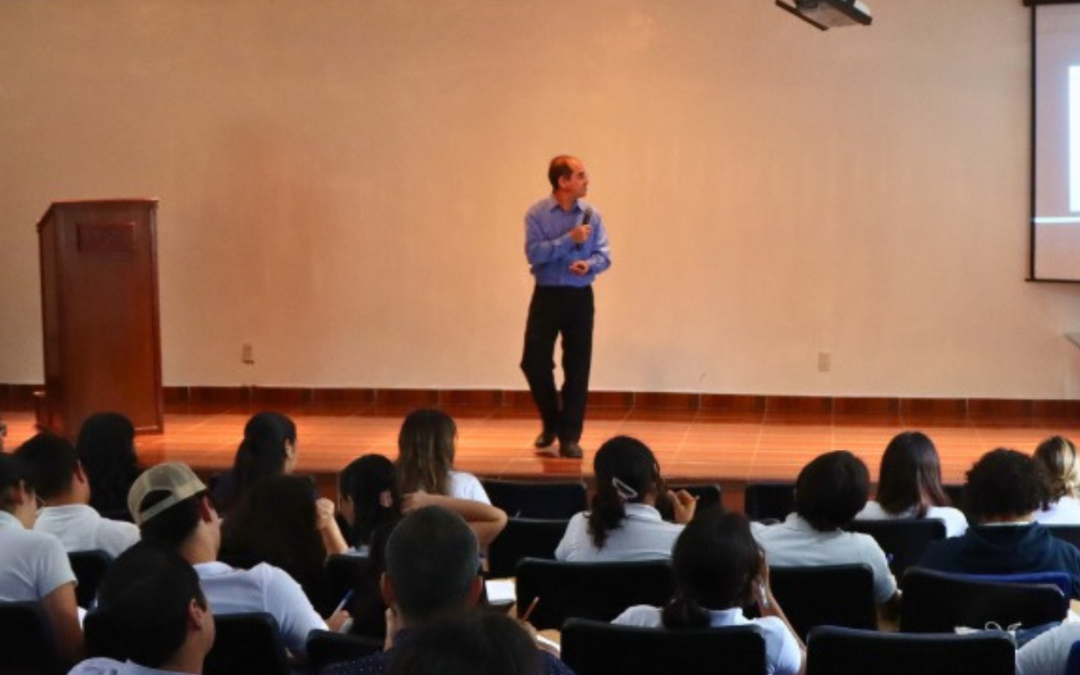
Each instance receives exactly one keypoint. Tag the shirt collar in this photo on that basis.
(642, 512)
(553, 205)
(8, 520)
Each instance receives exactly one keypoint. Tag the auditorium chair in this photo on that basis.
(936, 602)
(89, 568)
(845, 651)
(825, 595)
(523, 538)
(599, 591)
(246, 644)
(769, 500)
(27, 644)
(600, 648)
(537, 499)
(903, 541)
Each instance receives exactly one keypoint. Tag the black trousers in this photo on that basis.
(553, 310)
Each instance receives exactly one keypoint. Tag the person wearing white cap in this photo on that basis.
(170, 504)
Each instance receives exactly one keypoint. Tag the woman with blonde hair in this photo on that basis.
(1058, 456)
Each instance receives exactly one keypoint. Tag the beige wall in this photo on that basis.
(342, 185)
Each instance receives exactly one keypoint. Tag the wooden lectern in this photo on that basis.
(99, 301)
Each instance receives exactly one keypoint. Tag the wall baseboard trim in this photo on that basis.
(21, 397)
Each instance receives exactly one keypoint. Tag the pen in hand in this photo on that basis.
(530, 608)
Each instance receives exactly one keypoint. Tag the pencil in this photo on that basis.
(529, 611)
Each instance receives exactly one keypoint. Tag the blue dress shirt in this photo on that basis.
(550, 250)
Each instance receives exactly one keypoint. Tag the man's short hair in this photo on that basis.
(52, 461)
(1005, 483)
(832, 489)
(432, 560)
(560, 167)
(142, 605)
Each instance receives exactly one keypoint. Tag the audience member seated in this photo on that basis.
(1058, 456)
(63, 488)
(369, 499)
(431, 568)
(34, 566)
(151, 608)
(106, 446)
(268, 449)
(624, 523)
(829, 492)
(172, 506)
(1047, 653)
(1004, 490)
(909, 485)
(280, 521)
(719, 569)
(372, 504)
(426, 458)
(468, 642)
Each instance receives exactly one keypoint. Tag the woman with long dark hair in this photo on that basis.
(268, 449)
(909, 485)
(719, 569)
(623, 522)
(106, 448)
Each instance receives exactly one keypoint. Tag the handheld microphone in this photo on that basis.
(585, 221)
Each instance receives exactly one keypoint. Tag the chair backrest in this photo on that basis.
(598, 648)
(936, 602)
(955, 493)
(246, 644)
(1069, 533)
(826, 595)
(89, 568)
(769, 500)
(27, 643)
(1060, 579)
(344, 573)
(537, 499)
(326, 648)
(904, 541)
(599, 591)
(523, 538)
(844, 651)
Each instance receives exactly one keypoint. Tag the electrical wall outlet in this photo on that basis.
(824, 362)
(247, 353)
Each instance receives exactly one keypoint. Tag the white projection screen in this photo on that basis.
(1055, 222)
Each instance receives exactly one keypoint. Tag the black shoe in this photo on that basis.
(570, 450)
(546, 439)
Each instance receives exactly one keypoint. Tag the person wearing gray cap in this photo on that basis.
(171, 505)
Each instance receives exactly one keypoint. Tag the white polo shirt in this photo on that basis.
(263, 588)
(1065, 511)
(782, 653)
(81, 528)
(642, 535)
(467, 486)
(795, 543)
(32, 564)
(956, 522)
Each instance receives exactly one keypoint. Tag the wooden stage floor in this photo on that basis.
(730, 449)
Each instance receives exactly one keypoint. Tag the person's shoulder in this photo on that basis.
(542, 206)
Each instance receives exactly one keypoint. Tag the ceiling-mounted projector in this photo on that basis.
(826, 14)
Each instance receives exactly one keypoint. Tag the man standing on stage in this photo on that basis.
(567, 246)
